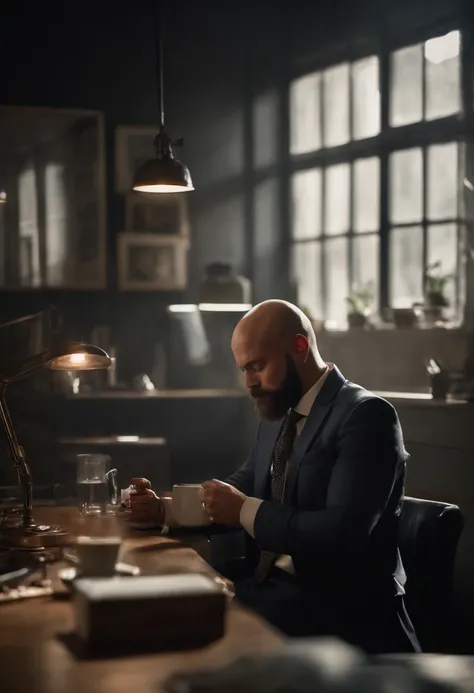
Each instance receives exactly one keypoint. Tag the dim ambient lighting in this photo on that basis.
(442, 48)
(3, 197)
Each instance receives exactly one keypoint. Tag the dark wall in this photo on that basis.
(225, 70)
(106, 61)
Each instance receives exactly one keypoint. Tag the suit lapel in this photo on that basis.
(318, 414)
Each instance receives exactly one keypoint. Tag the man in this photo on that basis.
(320, 495)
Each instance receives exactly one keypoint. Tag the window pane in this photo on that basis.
(443, 181)
(406, 89)
(336, 105)
(337, 211)
(366, 95)
(56, 218)
(366, 194)
(443, 246)
(406, 193)
(337, 281)
(443, 76)
(306, 194)
(307, 277)
(28, 241)
(365, 264)
(406, 266)
(265, 129)
(305, 120)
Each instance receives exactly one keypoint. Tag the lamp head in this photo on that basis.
(68, 356)
(79, 357)
(164, 173)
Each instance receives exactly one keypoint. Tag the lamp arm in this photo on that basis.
(23, 470)
(27, 367)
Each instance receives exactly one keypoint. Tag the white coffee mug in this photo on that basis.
(187, 506)
(98, 555)
(170, 520)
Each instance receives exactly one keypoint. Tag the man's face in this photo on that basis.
(272, 379)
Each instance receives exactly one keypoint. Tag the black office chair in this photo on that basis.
(428, 538)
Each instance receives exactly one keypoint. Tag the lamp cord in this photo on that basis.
(159, 65)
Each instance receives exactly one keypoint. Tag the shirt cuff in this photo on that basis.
(248, 513)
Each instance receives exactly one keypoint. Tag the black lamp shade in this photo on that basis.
(163, 175)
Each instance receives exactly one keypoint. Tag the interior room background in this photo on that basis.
(330, 146)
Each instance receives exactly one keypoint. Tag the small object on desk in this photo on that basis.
(68, 575)
(125, 497)
(440, 382)
(149, 613)
(13, 585)
(147, 509)
(98, 556)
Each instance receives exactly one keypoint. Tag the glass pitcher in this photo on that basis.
(96, 487)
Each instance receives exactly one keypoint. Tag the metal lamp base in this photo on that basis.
(33, 537)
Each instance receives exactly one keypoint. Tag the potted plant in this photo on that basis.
(435, 299)
(359, 304)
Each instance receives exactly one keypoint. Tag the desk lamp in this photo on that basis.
(69, 356)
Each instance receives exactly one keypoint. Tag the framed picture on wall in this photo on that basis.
(164, 215)
(133, 146)
(149, 262)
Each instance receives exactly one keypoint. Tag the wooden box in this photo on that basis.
(151, 613)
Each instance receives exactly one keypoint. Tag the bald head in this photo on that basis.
(272, 321)
(275, 346)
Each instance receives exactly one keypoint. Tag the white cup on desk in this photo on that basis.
(97, 556)
(187, 506)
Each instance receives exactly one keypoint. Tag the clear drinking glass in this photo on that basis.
(96, 487)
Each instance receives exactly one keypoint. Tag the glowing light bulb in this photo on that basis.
(77, 359)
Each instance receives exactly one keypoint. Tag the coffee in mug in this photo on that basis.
(187, 506)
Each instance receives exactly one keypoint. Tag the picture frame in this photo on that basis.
(150, 262)
(54, 222)
(133, 147)
(161, 214)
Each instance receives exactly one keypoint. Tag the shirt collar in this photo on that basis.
(306, 402)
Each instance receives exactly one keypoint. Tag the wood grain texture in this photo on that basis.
(34, 657)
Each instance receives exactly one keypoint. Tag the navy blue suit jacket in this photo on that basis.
(343, 496)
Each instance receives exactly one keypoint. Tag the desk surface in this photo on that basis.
(33, 658)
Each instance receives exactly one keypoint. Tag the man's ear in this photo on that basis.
(300, 347)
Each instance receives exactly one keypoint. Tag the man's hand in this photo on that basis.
(222, 502)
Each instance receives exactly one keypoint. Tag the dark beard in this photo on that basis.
(273, 404)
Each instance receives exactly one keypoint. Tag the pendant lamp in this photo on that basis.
(164, 173)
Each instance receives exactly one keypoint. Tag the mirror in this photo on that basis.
(52, 199)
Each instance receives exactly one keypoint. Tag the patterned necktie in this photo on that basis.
(281, 453)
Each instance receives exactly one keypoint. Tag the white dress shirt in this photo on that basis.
(251, 505)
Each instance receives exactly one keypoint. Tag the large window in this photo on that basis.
(377, 196)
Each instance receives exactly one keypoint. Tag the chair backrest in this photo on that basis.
(429, 533)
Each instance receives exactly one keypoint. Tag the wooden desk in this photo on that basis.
(33, 658)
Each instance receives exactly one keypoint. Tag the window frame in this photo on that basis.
(452, 128)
